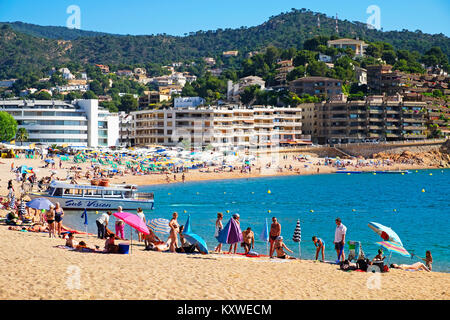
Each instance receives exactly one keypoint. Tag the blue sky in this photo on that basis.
(177, 17)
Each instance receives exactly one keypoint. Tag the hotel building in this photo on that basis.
(80, 123)
(222, 128)
(375, 118)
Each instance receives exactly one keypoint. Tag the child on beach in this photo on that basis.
(279, 248)
(428, 259)
(320, 247)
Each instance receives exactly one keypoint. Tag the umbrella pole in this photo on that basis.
(299, 251)
(389, 260)
(131, 237)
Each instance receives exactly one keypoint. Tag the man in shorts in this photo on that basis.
(339, 239)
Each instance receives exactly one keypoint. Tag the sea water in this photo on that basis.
(416, 206)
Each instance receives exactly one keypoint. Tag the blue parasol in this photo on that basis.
(193, 237)
(159, 225)
(39, 203)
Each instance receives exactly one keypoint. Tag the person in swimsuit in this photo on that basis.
(249, 240)
(174, 230)
(151, 240)
(275, 231)
(320, 247)
(428, 259)
(219, 227)
(50, 215)
(236, 218)
(59, 213)
(415, 266)
(279, 248)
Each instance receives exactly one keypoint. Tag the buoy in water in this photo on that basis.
(311, 210)
(353, 210)
(268, 191)
(96, 212)
(268, 211)
(431, 174)
(169, 193)
(348, 173)
(395, 210)
(423, 190)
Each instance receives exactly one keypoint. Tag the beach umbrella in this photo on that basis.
(264, 235)
(194, 238)
(386, 233)
(231, 233)
(133, 221)
(50, 161)
(39, 203)
(298, 237)
(394, 247)
(159, 225)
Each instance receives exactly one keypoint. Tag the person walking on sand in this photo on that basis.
(275, 231)
(183, 177)
(174, 230)
(219, 227)
(339, 239)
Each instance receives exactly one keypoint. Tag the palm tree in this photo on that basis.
(22, 135)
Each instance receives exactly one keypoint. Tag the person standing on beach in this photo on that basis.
(102, 223)
(174, 230)
(339, 239)
(183, 177)
(219, 227)
(50, 215)
(275, 232)
(120, 226)
(59, 213)
(236, 217)
(141, 215)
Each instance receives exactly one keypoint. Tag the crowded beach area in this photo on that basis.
(58, 262)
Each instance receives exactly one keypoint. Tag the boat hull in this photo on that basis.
(74, 203)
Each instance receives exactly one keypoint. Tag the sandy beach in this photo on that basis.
(33, 268)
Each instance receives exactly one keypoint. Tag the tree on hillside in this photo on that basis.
(8, 126)
(128, 103)
(22, 135)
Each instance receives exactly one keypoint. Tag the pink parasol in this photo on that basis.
(133, 221)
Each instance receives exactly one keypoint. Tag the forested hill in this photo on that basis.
(285, 30)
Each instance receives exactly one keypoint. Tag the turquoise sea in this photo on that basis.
(421, 219)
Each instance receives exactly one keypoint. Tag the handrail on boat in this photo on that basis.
(145, 195)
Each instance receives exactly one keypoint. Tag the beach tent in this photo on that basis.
(231, 233)
(193, 237)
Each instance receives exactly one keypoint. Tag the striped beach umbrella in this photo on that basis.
(159, 225)
(394, 247)
(298, 237)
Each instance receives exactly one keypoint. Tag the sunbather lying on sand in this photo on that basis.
(415, 266)
(152, 242)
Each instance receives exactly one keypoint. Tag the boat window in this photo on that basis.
(50, 191)
(117, 193)
(107, 192)
(58, 192)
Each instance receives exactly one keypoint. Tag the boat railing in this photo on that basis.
(145, 195)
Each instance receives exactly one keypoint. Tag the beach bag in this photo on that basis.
(385, 268)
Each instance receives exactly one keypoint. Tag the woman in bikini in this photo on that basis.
(50, 215)
(174, 230)
(415, 266)
(279, 246)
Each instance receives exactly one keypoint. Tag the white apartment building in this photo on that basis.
(80, 123)
(223, 128)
